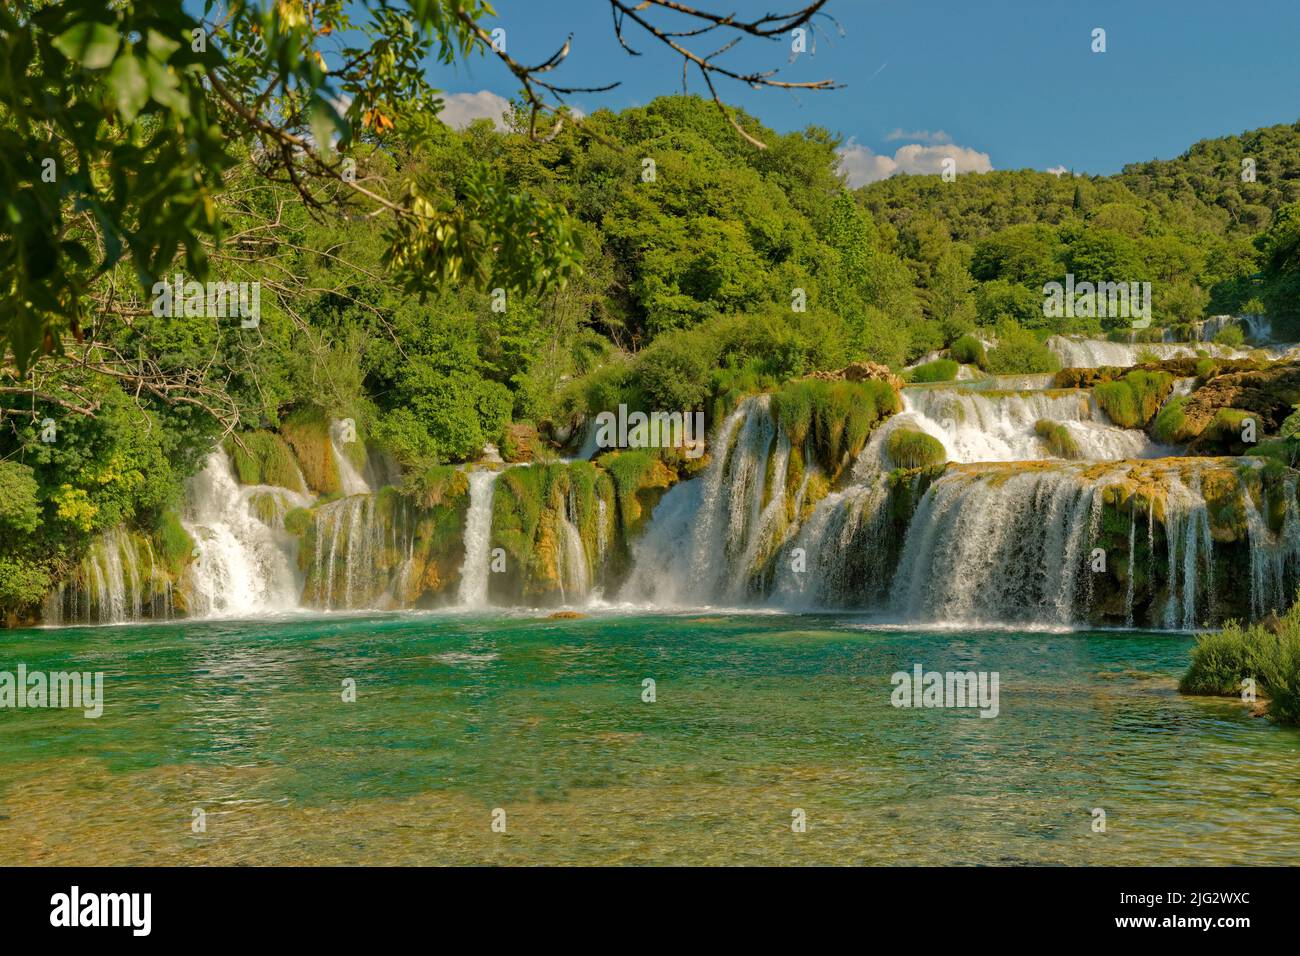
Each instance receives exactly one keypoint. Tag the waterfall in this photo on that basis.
(995, 546)
(575, 580)
(1078, 352)
(975, 427)
(242, 566)
(117, 581)
(841, 555)
(478, 536)
(350, 480)
(706, 530)
(363, 554)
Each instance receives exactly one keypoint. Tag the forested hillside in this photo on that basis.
(707, 268)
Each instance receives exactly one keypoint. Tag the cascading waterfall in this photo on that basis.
(363, 553)
(242, 566)
(993, 547)
(478, 536)
(117, 581)
(974, 427)
(350, 479)
(1077, 352)
(696, 546)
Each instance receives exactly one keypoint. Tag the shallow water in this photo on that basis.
(756, 716)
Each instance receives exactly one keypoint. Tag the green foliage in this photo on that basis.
(968, 350)
(23, 583)
(264, 458)
(939, 370)
(1268, 653)
(833, 418)
(1060, 441)
(1019, 352)
(20, 510)
(913, 448)
(1231, 336)
(1134, 400)
(175, 545)
(1170, 425)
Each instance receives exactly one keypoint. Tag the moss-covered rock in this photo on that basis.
(1269, 394)
(308, 433)
(265, 458)
(1134, 399)
(1058, 438)
(913, 448)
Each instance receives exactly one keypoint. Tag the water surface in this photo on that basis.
(756, 716)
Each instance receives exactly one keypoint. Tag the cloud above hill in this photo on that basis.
(860, 165)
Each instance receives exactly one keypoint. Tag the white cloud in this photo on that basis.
(919, 136)
(861, 166)
(1057, 171)
(461, 109)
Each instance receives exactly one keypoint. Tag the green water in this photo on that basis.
(755, 717)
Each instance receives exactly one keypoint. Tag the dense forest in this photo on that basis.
(705, 268)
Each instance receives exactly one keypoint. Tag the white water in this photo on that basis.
(242, 567)
(694, 551)
(974, 427)
(478, 536)
(350, 480)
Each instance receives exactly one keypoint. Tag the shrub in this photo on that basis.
(940, 370)
(1060, 441)
(969, 351)
(1231, 336)
(23, 583)
(1133, 400)
(1170, 426)
(1020, 353)
(912, 448)
(1267, 652)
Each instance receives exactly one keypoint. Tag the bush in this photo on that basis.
(1231, 336)
(940, 370)
(1060, 441)
(1267, 652)
(912, 448)
(1020, 353)
(1170, 426)
(968, 350)
(23, 583)
(1133, 400)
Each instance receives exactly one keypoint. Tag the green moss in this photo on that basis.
(1060, 441)
(833, 418)
(912, 448)
(1134, 400)
(1170, 426)
(298, 522)
(940, 370)
(175, 546)
(264, 458)
(308, 434)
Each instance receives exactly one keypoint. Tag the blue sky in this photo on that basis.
(1005, 84)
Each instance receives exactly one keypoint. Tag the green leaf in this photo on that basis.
(160, 47)
(127, 84)
(164, 87)
(90, 44)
